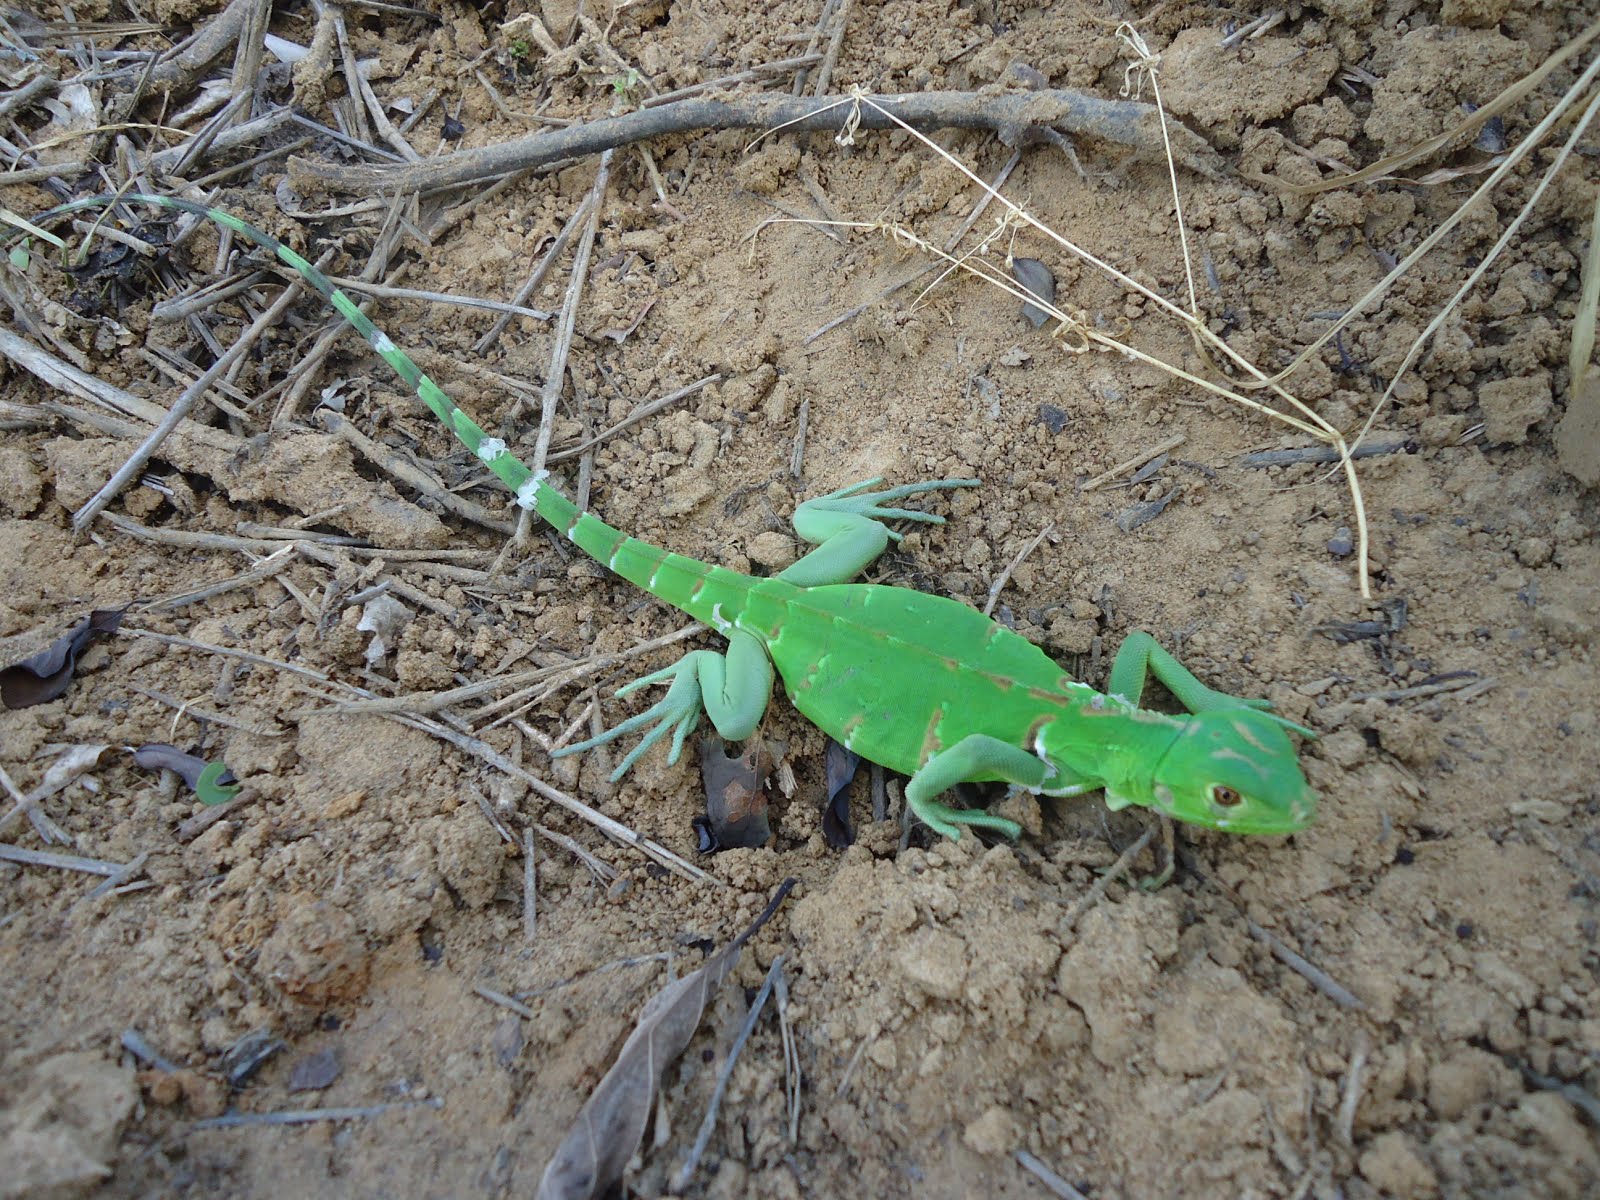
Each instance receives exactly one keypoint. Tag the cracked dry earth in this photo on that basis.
(952, 1004)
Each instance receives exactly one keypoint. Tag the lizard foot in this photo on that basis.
(677, 713)
(856, 501)
(947, 821)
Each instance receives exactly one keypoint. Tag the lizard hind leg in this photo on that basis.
(846, 527)
(731, 688)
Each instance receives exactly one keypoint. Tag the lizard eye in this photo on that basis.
(1224, 796)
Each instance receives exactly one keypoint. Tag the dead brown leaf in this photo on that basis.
(736, 805)
(839, 768)
(611, 1123)
(46, 674)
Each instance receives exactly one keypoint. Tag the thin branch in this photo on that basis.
(305, 1116)
(1138, 460)
(1049, 1178)
(1004, 577)
(1011, 115)
(708, 1123)
(66, 862)
(1093, 896)
(141, 457)
(555, 378)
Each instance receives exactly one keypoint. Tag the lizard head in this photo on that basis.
(1236, 770)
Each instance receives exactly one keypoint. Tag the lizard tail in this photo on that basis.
(647, 566)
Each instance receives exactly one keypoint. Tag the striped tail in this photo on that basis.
(638, 562)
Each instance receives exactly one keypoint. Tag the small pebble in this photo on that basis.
(315, 1071)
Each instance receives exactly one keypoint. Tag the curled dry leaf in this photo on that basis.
(1036, 278)
(386, 619)
(611, 1123)
(212, 782)
(736, 805)
(623, 333)
(839, 767)
(46, 675)
(74, 761)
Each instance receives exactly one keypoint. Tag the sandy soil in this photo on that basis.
(950, 1006)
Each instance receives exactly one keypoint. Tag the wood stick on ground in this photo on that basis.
(1326, 454)
(63, 376)
(505, 1001)
(277, 561)
(578, 220)
(644, 410)
(850, 1069)
(802, 76)
(184, 306)
(1467, 685)
(384, 292)
(493, 817)
(410, 475)
(568, 673)
(797, 457)
(21, 803)
(309, 367)
(614, 829)
(20, 98)
(1011, 115)
(530, 887)
(206, 715)
(708, 1123)
(603, 871)
(220, 35)
(127, 872)
(305, 1116)
(1004, 577)
(1309, 971)
(1049, 1178)
(209, 816)
(1138, 460)
(65, 862)
(835, 43)
(1352, 1087)
(141, 457)
(793, 1080)
(555, 378)
(1093, 896)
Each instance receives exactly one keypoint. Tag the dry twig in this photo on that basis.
(1011, 115)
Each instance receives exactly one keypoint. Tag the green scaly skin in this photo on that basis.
(921, 684)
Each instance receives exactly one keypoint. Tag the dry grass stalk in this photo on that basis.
(1078, 332)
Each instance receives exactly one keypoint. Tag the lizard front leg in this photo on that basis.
(975, 757)
(731, 688)
(1141, 655)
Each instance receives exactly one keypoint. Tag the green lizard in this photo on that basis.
(921, 684)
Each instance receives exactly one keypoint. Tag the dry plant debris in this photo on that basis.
(44, 676)
(594, 1155)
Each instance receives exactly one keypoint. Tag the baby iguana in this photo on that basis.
(920, 684)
